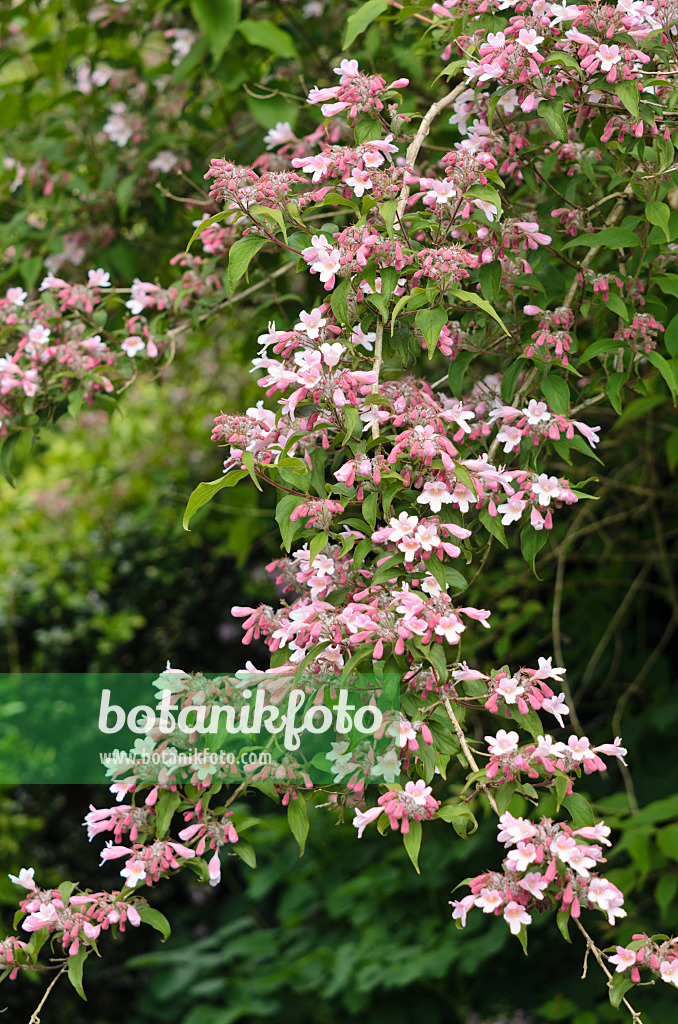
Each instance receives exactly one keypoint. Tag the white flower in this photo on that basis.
(164, 161)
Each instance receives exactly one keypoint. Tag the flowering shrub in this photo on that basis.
(419, 410)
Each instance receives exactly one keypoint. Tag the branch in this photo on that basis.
(469, 753)
(418, 141)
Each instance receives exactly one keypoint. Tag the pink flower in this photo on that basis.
(363, 818)
(132, 345)
(359, 181)
(503, 743)
(515, 915)
(623, 958)
(669, 971)
(24, 878)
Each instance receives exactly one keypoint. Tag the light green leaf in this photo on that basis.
(264, 33)
(245, 851)
(612, 238)
(153, 917)
(431, 323)
(552, 112)
(75, 966)
(659, 213)
(531, 543)
(241, 255)
(204, 492)
(164, 811)
(362, 19)
(270, 213)
(248, 463)
(217, 20)
(297, 818)
(667, 370)
(412, 843)
(628, 94)
(316, 546)
(556, 393)
(483, 304)
(206, 224)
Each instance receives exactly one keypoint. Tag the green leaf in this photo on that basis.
(369, 508)
(566, 59)
(493, 525)
(362, 19)
(412, 843)
(455, 579)
(457, 371)
(387, 213)
(562, 919)
(612, 238)
(164, 811)
(617, 306)
(659, 213)
(552, 112)
(241, 255)
(668, 283)
(297, 818)
(316, 546)
(264, 33)
(671, 337)
(153, 917)
(339, 301)
(597, 348)
(204, 492)
(531, 543)
(667, 370)
(245, 851)
(667, 841)
(489, 194)
(615, 383)
(248, 463)
(206, 224)
(628, 94)
(522, 938)
(489, 276)
(459, 293)
(218, 20)
(272, 214)
(431, 323)
(580, 810)
(619, 986)
(556, 393)
(460, 817)
(21, 440)
(561, 786)
(367, 130)
(665, 892)
(66, 890)
(75, 966)
(288, 529)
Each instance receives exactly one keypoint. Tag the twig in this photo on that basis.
(592, 948)
(235, 298)
(610, 221)
(35, 1016)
